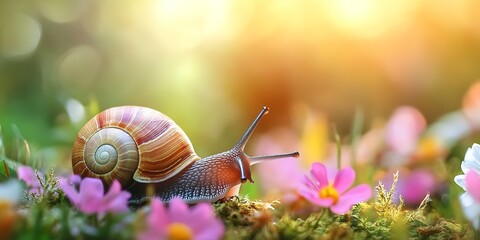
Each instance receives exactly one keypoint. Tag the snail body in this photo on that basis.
(141, 147)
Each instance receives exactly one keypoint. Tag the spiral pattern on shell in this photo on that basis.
(131, 143)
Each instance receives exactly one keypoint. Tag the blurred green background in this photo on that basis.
(211, 65)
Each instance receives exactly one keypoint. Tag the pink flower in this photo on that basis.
(404, 129)
(91, 199)
(333, 194)
(180, 222)
(28, 175)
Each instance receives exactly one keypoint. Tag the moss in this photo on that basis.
(237, 211)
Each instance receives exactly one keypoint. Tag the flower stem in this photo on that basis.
(339, 147)
(320, 218)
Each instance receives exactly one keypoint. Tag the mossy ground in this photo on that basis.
(50, 216)
(378, 219)
(247, 219)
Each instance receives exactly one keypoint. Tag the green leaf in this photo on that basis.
(8, 168)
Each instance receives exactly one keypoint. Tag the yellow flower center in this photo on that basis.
(329, 192)
(179, 231)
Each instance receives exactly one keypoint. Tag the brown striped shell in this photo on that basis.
(130, 142)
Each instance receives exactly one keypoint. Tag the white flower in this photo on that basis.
(470, 205)
(11, 191)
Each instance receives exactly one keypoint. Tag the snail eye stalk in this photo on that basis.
(257, 159)
(243, 141)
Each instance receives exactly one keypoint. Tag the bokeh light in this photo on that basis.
(78, 68)
(211, 65)
(20, 35)
(62, 11)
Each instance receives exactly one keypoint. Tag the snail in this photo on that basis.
(141, 148)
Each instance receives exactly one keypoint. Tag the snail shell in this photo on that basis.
(131, 143)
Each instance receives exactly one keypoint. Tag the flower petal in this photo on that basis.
(114, 190)
(90, 195)
(310, 184)
(472, 159)
(471, 210)
(156, 222)
(470, 165)
(341, 207)
(319, 172)
(460, 181)
(476, 222)
(28, 175)
(344, 179)
(472, 182)
(205, 218)
(214, 230)
(476, 151)
(69, 191)
(201, 219)
(120, 203)
(466, 200)
(308, 193)
(158, 218)
(178, 211)
(75, 180)
(416, 186)
(358, 194)
(116, 200)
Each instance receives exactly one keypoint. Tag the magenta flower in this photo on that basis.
(28, 175)
(321, 191)
(91, 199)
(180, 222)
(413, 185)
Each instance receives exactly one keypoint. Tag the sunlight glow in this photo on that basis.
(187, 24)
(357, 12)
(369, 18)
